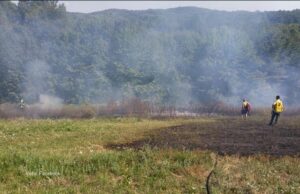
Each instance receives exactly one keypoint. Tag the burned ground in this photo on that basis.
(230, 135)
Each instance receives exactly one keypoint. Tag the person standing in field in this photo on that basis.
(277, 108)
(245, 108)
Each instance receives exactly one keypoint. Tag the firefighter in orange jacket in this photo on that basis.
(277, 108)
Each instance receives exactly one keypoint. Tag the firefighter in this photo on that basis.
(245, 108)
(277, 108)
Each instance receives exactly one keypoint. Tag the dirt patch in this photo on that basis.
(226, 136)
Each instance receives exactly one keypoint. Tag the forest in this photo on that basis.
(178, 57)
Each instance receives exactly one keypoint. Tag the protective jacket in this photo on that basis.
(245, 105)
(278, 106)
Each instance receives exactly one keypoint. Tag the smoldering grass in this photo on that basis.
(131, 108)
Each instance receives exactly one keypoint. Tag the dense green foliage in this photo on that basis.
(176, 56)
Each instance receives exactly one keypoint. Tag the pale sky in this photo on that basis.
(92, 6)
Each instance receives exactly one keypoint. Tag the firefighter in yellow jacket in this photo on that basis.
(277, 108)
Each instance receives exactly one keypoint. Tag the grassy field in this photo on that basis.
(134, 155)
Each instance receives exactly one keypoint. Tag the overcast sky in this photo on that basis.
(91, 6)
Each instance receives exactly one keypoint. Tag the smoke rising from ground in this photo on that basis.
(50, 102)
(177, 57)
(35, 84)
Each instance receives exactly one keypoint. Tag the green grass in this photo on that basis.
(71, 156)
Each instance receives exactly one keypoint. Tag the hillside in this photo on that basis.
(178, 56)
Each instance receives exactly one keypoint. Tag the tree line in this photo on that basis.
(179, 56)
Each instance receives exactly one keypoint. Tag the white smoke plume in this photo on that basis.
(50, 102)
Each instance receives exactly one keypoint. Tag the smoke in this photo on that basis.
(50, 102)
(36, 80)
(172, 57)
(178, 53)
(236, 72)
(37, 84)
(197, 61)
